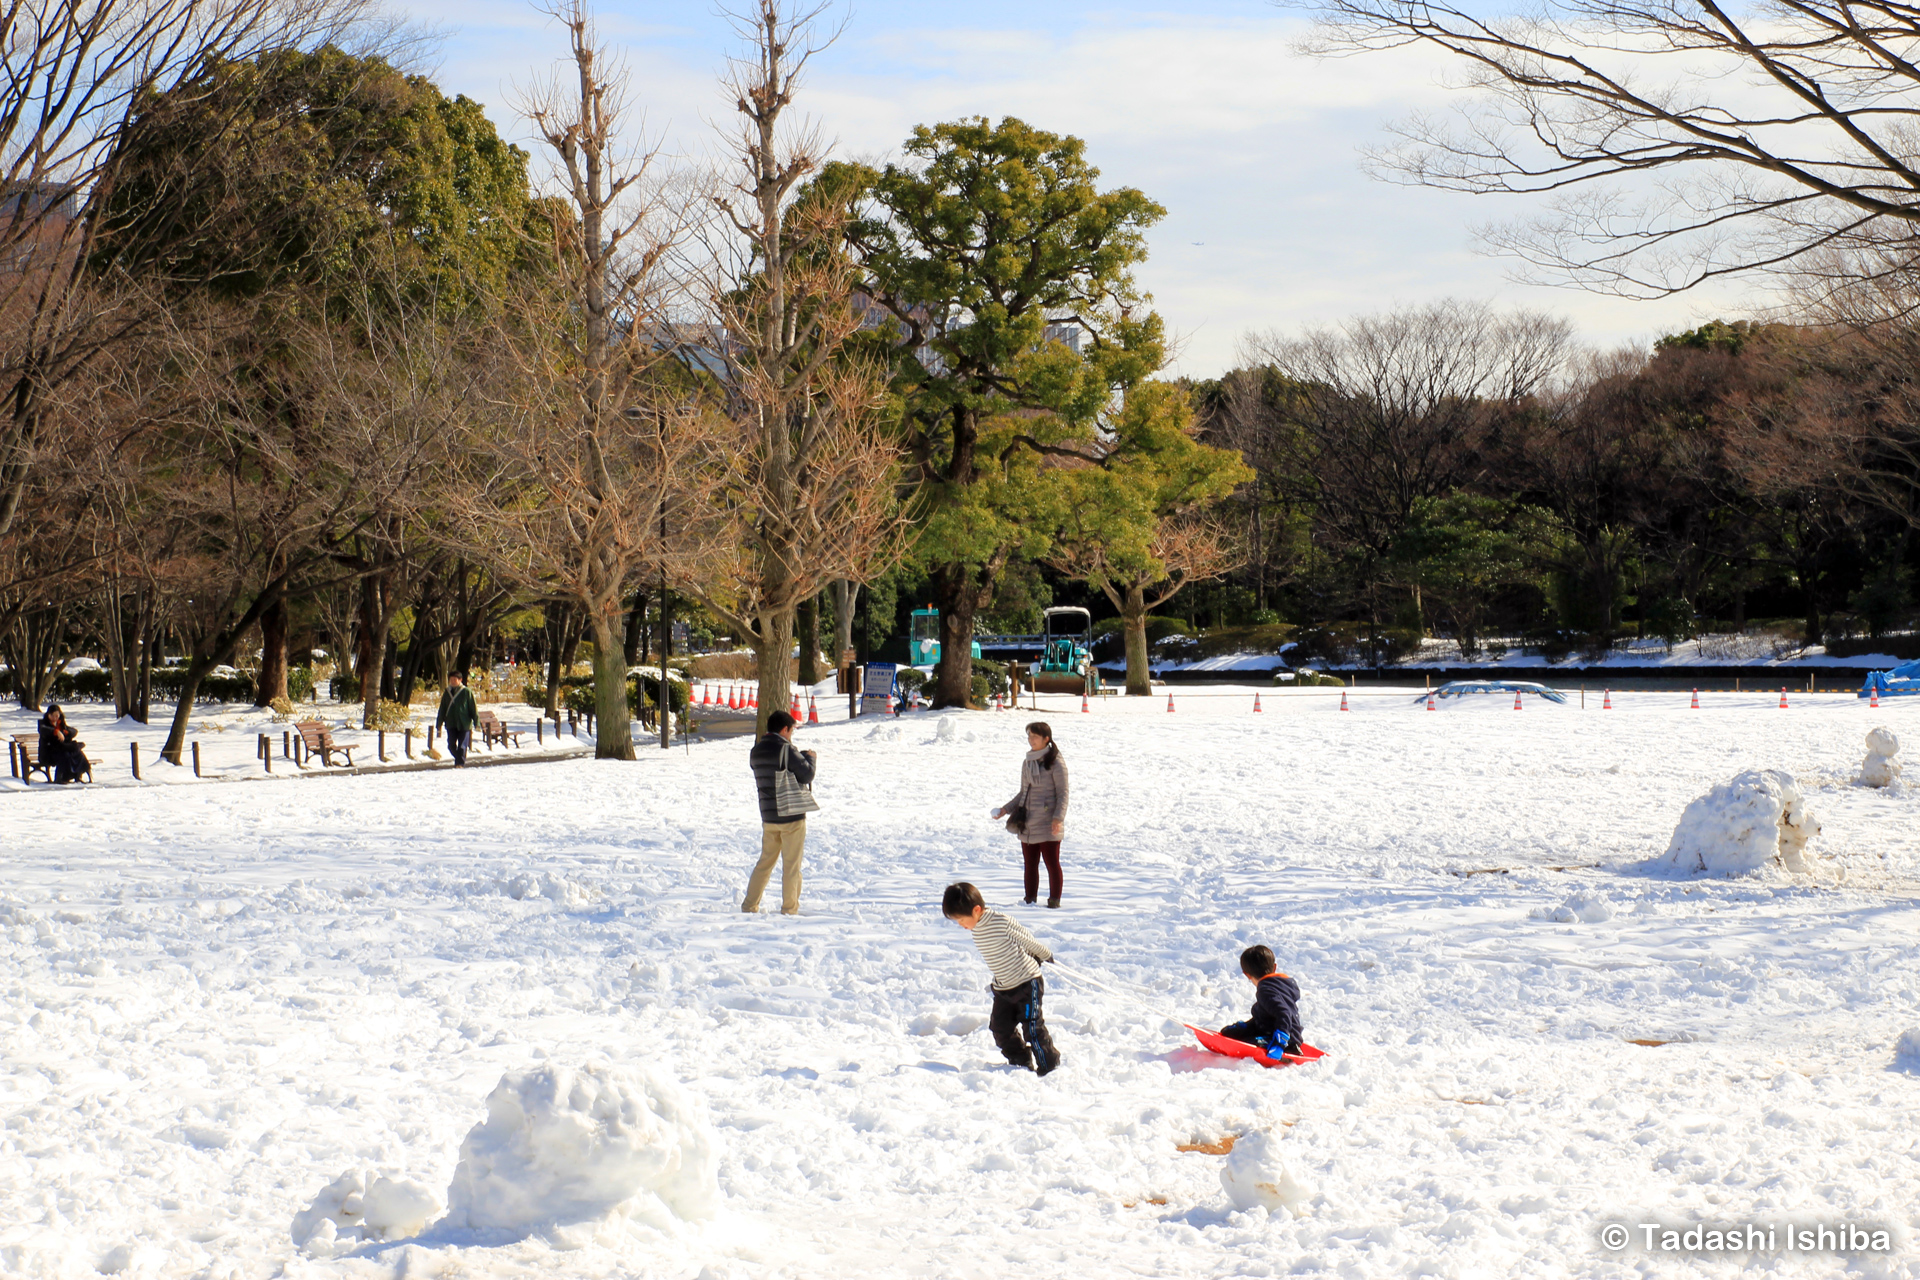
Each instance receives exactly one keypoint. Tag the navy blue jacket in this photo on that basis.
(1276, 1011)
(765, 759)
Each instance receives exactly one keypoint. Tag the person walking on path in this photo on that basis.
(782, 835)
(458, 714)
(1038, 812)
(61, 750)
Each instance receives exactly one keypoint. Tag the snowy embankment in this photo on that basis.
(220, 1001)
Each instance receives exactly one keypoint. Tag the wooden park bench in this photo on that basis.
(318, 740)
(492, 731)
(24, 753)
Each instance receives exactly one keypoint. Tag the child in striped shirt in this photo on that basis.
(1010, 952)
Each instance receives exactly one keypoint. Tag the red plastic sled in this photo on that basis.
(1232, 1048)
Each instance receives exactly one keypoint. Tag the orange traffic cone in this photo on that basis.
(1084, 708)
(1343, 699)
(1256, 703)
(753, 698)
(1606, 700)
(1783, 697)
(1696, 699)
(1516, 699)
(705, 691)
(1430, 705)
(1873, 695)
(813, 710)
(1169, 704)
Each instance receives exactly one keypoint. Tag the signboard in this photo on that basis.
(876, 682)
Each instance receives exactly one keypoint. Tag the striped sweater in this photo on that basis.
(1008, 949)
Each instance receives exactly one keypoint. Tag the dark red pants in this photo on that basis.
(1050, 850)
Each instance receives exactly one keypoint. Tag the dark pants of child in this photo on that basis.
(458, 743)
(1244, 1032)
(1050, 850)
(1018, 1011)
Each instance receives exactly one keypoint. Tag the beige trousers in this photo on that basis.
(782, 841)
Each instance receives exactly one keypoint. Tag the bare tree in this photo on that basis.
(1388, 410)
(810, 483)
(1678, 143)
(74, 77)
(589, 425)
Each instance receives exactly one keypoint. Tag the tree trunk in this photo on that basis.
(1133, 612)
(635, 649)
(613, 720)
(846, 596)
(559, 654)
(197, 670)
(773, 664)
(810, 641)
(958, 596)
(37, 649)
(272, 682)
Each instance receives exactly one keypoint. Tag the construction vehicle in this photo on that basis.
(923, 638)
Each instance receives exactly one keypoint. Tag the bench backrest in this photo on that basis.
(315, 734)
(489, 719)
(29, 743)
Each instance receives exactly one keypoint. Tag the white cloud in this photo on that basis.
(1253, 149)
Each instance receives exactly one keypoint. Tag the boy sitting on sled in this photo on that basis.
(1275, 1024)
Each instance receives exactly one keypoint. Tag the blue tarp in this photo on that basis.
(1462, 688)
(1902, 681)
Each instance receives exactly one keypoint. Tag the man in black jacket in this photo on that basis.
(1275, 1024)
(780, 838)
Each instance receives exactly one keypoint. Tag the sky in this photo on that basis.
(1254, 149)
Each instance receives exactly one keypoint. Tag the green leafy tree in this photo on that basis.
(990, 249)
(314, 212)
(1460, 549)
(1135, 524)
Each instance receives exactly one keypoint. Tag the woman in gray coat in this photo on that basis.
(1038, 814)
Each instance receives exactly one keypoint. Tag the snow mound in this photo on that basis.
(360, 1207)
(1255, 1178)
(1906, 1050)
(562, 893)
(1880, 768)
(1583, 906)
(576, 1155)
(1743, 825)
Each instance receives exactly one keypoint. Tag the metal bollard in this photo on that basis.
(136, 760)
(540, 730)
(196, 757)
(409, 744)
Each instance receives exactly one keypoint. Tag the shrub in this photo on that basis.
(910, 680)
(345, 688)
(300, 683)
(391, 716)
(996, 677)
(649, 684)
(282, 709)
(980, 691)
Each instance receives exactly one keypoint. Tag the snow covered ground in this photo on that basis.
(220, 998)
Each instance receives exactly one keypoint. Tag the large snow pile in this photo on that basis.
(1255, 1178)
(1743, 825)
(575, 1155)
(359, 1207)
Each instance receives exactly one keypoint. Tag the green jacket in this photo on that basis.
(458, 711)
